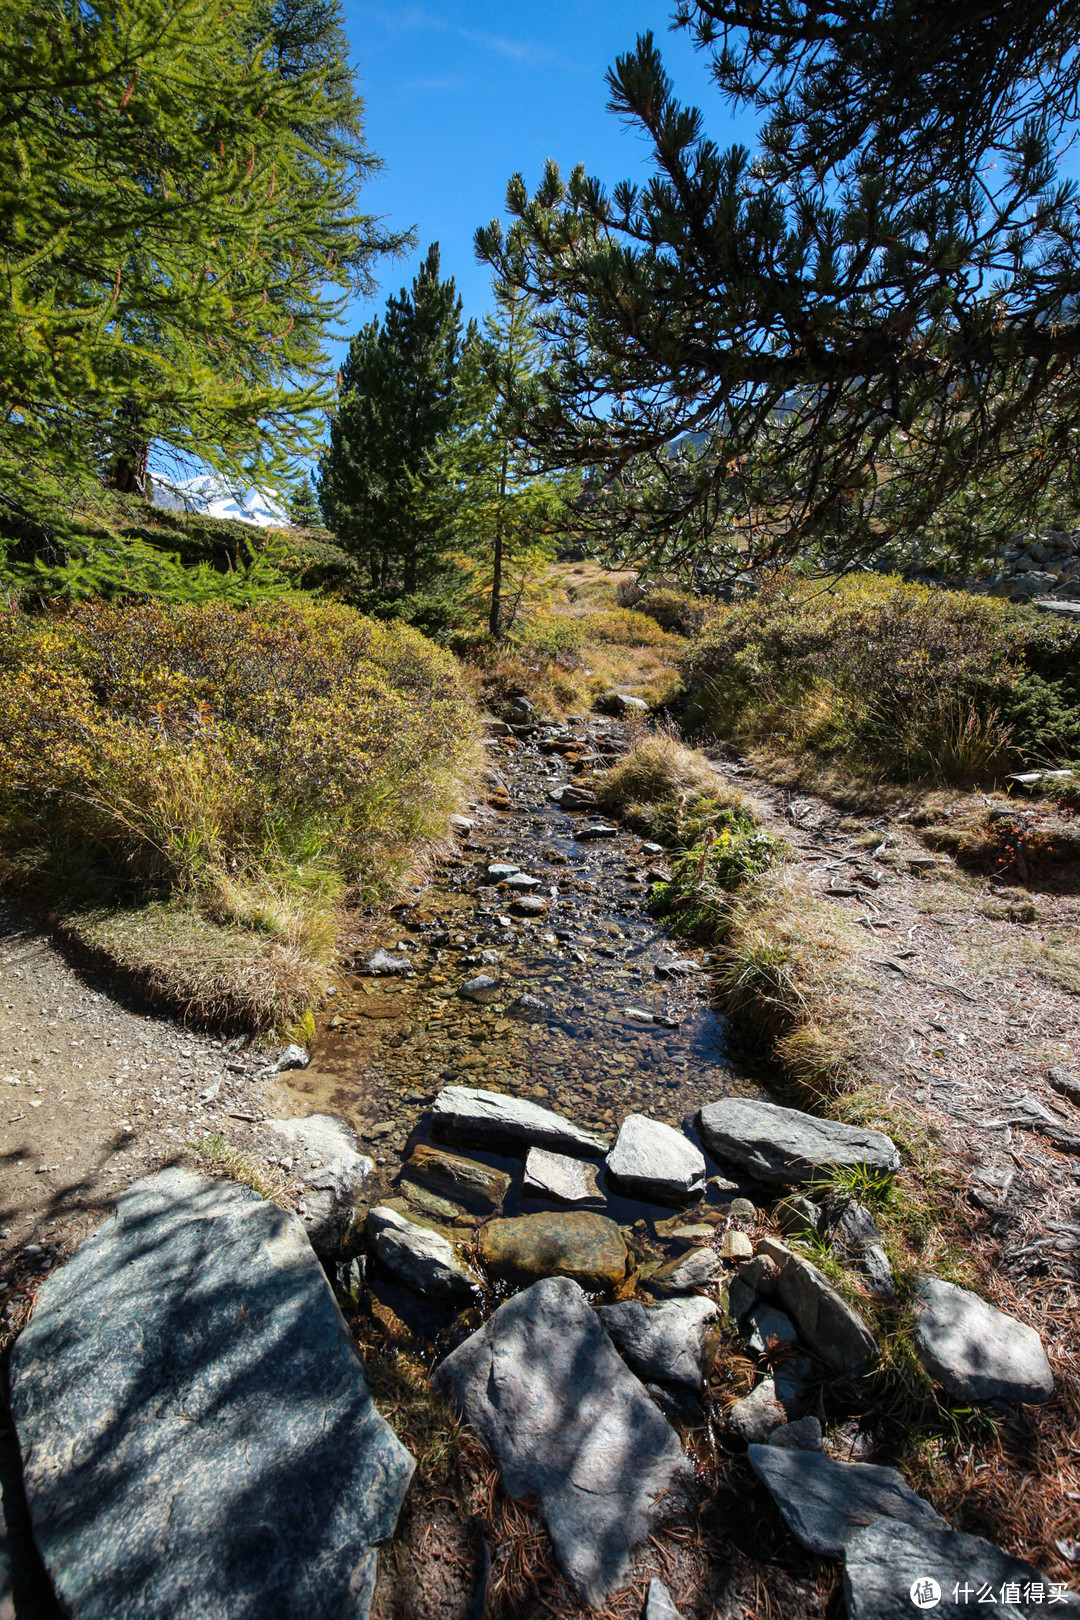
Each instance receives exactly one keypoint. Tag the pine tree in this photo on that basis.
(484, 487)
(179, 228)
(302, 506)
(397, 398)
(873, 315)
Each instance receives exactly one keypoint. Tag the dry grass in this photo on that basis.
(217, 1155)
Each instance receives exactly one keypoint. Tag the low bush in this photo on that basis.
(202, 769)
(668, 792)
(893, 680)
(675, 611)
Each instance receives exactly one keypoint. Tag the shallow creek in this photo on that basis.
(593, 963)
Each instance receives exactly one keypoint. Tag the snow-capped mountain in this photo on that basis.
(207, 495)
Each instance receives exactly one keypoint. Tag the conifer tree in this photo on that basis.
(179, 228)
(397, 398)
(874, 314)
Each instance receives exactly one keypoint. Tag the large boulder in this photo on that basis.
(973, 1350)
(886, 1564)
(494, 1119)
(569, 1426)
(784, 1146)
(653, 1160)
(830, 1326)
(566, 1243)
(824, 1502)
(422, 1259)
(326, 1157)
(197, 1437)
(663, 1341)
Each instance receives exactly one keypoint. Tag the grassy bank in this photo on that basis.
(871, 680)
(193, 792)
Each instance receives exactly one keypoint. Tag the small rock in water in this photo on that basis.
(662, 1341)
(803, 1435)
(596, 830)
(531, 1006)
(186, 1397)
(755, 1417)
(570, 1426)
(586, 1247)
(530, 905)
(479, 989)
(473, 1183)
(652, 849)
(696, 1269)
(976, 1352)
(521, 881)
(500, 870)
(658, 1604)
(293, 1057)
(558, 1177)
(784, 1145)
(653, 1160)
(639, 1015)
(494, 1119)
(824, 1502)
(420, 1258)
(679, 969)
(382, 964)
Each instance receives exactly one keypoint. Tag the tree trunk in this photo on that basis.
(496, 583)
(129, 471)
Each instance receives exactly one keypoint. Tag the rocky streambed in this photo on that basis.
(525, 1140)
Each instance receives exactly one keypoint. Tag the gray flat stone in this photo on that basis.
(326, 1157)
(658, 1603)
(785, 1146)
(976, 1352)
(830, 1326)
(494, 1119)
(663, 1341)
(824, 1503)
(198, 1440)
(418, 1257)
(883, 1560)
(557, 1176)
(755, 1417)
(697, 1268)
(384, 964)
(804, 1434)
(498, 871)
(569, 1426)
(654, 1160)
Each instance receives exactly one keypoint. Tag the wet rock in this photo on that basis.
(531, 1006)
(569, 1426)
(596, 830)
(769, 1330)
(736, 1246)
(521, 881)
(472, 1183)
(425, 1202)
(494, 1119)
(695, 1269)
(558, 1177)
(976, 1352)
(480, 989)
(830, 1326)
(755, 1417)
(681, 968)
(662, 1341)
(530, 905)
(327, 1159)
(421, 1259)
(293, 1057)
(653, 1160)
(786, 1146)
(573, 797)
(186, 1397)
(824, 1503)
(688, 1237)
(884, 1560)
(383, 964)
(499, 871)
(658, 1603)
(802, 1435)
(678, 1405)
(578, 1244)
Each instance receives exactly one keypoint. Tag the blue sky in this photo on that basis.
(461, 95)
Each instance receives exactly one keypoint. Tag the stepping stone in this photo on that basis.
(383, 964)
(328, 1160)
(653, 1160)
(785, 1146)
(418, 1257)
(530, 905)
(570, 1427)
(482, 988)
(658, 1604)
(755, 1417)
(976, 1352)
(196, 1432)
(830, 1326)
(558, 1177)
(521, 880)
(695, 1269)
(824, 1503)
(494, 1119)
(663, 1341)
(571, 1243)
(501, 870)
(449, 1173)
(594, 831)
(885, 1562)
